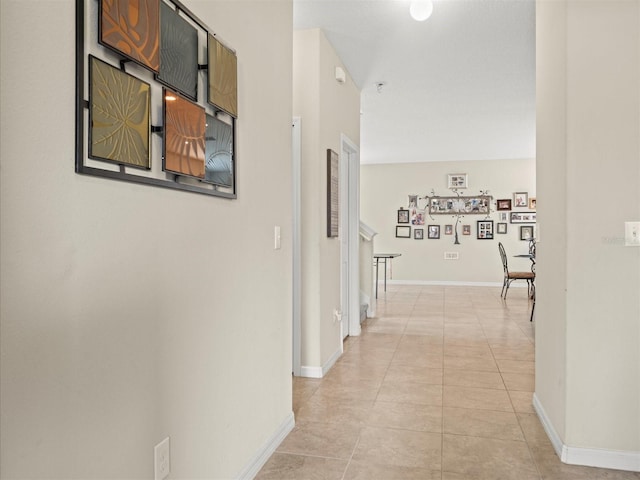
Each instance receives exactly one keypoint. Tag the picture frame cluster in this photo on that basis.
(518, 210)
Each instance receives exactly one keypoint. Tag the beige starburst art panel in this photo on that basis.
(119, 119)
(223, 77)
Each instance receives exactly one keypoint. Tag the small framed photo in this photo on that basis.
(503, 204)
(526, 232)
(485, 229)
(418, 233)
(504, 216)
(403, 216)
(403, 231)
(532, 203)
(521, 199)
(501, 228)
(433, 231)
(457, 180)
(413, 201)
(448, 229)
(466, 229)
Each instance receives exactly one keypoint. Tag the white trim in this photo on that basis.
(588, 457)
(319, 372)
(367, 232)
(264, 453)
(296, 159)
(556, 441)
(351, 152)
(448, 283)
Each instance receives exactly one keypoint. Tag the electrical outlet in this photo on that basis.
(632, 234)
(162, 460)
(451, 256)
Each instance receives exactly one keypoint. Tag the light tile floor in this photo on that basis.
(438, 386)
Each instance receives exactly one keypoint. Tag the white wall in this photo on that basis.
(385, 189)
(588, 321)
(131, 313)
(327, 109)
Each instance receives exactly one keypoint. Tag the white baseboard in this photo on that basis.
(319, 372)
(264, 453)
(448, 283)
(588, 457)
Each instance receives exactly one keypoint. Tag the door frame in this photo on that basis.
(350, 206)
(296, 167)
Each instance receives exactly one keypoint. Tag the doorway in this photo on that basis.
(349, 237)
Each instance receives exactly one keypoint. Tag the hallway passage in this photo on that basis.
(438, 386)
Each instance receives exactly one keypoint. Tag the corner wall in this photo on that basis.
(130, 313)
(588, 375)
(327, 109)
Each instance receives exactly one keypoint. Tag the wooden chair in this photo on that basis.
(512, 276)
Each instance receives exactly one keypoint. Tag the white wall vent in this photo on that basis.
(451, 256)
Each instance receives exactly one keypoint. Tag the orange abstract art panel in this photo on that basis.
(184, 136)
(132, 28)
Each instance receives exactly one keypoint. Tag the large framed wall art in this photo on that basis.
(156, 97)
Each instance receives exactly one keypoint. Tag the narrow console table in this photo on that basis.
(384, 257)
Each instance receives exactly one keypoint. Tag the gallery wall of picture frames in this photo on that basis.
(517, 210)
(156, 97)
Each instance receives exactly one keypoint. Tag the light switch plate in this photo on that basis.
(162, 460)
(632, 234)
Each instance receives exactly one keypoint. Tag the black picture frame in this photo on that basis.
(501, 228)
(433, 232)
(403, 216)
(503, 204)
(403, 231)
(527, 232)
(418, 233)
(484, 230)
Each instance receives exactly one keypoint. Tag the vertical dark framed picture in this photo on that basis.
(418, 233)
(466, 229)
(433, 232)
(403, 216)
(333, 185)
(501, 228)
(403, 231)
(448, 229)
(485, 230)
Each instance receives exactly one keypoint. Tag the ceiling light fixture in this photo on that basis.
(420, 10)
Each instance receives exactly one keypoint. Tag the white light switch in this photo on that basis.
(632, 234)
(276, 237)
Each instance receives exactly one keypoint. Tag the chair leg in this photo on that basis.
(504, 284)
(507, 289)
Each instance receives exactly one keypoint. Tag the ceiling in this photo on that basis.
(458, 86)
